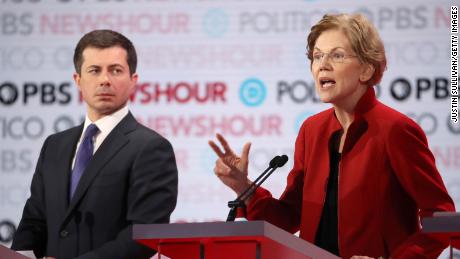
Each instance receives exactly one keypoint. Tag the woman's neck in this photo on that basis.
(345, 110)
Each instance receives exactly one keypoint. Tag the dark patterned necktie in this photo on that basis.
(84, 154)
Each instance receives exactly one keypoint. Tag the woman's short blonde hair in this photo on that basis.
(363, 36)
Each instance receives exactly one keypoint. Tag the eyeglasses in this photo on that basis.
(334, 57)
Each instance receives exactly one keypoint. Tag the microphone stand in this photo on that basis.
(276, 162)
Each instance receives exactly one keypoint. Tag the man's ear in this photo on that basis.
(76, 79)
(367, 73)
(134, 79)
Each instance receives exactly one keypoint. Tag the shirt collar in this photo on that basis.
(108, 122)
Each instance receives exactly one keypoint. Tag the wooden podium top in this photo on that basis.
(242, 230)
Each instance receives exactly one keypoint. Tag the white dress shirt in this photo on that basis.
(105, 125)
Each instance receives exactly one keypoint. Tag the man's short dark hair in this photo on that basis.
(102, 39)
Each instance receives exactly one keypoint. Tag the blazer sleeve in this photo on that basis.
(32, 231)
(415, 168)
(283, 212)
(151, 198)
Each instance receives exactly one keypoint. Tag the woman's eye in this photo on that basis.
(317, 56)
(337, 55)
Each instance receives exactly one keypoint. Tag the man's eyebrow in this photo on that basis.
(93, 66)
(116, 65)
(111, 66)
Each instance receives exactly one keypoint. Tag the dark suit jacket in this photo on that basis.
(131, 179)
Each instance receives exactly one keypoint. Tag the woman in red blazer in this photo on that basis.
(363, 174)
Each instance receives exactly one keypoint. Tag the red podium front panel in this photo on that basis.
(226, 240)
(5, 253)
(444, 226)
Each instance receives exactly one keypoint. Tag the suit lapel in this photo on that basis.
(111, 145)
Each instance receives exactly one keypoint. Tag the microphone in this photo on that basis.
(283, 160)
(276, 162)
(273, 163)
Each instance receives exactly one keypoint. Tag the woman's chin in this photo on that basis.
(325, 99)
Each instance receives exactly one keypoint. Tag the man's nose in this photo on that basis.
(104, 79)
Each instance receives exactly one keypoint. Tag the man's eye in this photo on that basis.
(116, 71)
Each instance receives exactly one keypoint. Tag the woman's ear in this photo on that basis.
(367, 73)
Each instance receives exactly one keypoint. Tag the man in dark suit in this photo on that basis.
(94, 181)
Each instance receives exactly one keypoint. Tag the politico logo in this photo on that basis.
(298, 91)
(15, 58)
(417, 53)
(434, 122)
(275, 21)
(19, 127)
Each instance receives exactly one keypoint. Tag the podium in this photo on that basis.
(5, 253)
(444, 226)
(225, 240)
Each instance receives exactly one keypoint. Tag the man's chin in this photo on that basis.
(105, 110)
